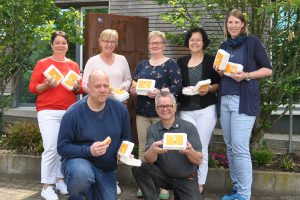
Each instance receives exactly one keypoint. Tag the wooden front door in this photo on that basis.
(133, 44)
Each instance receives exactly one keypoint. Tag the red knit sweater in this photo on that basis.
(58, 98)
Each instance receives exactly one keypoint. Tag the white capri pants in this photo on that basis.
(49, 123)
(205, 121)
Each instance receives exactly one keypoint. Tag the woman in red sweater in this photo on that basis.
(53, 99)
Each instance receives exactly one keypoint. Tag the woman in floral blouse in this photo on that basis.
(167, 76)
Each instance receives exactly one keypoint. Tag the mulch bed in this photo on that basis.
(292, 163)
(276, 164)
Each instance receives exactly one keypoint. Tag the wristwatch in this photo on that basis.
(248, 77)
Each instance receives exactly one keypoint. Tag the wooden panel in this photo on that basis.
(147, 8)
(133, 44)
(133, 34)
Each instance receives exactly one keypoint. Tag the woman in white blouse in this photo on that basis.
(114, 65)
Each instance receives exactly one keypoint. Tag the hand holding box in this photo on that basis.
(232, 68)
(125, 154)
(221, 59)
(120, 94)
(175, 141)
(202, 85)
(144, 86)
(194, 90)
(70, 79)
(53, 73)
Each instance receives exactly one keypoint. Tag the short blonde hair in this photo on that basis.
(109, 33)
(240, 15)
(157, 34)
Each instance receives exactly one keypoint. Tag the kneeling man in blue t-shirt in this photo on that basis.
(88, 162)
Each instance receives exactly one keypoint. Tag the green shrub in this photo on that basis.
(287, 164)
(212, 163)
(262, 157)
(23, 138)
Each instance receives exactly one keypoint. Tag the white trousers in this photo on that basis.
(205, 121)
(49, 123)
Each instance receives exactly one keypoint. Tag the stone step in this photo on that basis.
(272, 184)
(265, 183)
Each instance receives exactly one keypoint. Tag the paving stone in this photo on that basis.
(30, 190)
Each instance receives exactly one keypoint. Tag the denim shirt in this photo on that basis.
(166, 75)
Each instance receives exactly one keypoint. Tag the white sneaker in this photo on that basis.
(139, 193)
(118, 189)
(164, 194)
(61, 186)
(49, 194)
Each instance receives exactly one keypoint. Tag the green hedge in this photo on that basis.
(22, 138)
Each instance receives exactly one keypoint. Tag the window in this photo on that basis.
(25, 99)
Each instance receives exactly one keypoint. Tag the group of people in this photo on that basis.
(78, 161)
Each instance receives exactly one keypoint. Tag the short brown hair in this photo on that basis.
(59, 33)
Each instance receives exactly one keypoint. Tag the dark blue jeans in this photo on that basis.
(84, 179)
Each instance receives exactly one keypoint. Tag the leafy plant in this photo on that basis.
(218, 159)
(262, 157)
(212, 163)
(276, 23)
(25, 96)
(287, 164)
(25, 32)
(23, 138)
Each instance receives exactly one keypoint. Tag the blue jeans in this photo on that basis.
(84, 179)
(237, 128)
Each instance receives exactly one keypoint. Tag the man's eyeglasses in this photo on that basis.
(162, 107)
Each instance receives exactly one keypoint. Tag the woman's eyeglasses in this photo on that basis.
(109, 42)
(196, 41)
(156, 43)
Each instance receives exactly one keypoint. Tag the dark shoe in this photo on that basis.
(202, 193)
(201, 189)
(234, 189)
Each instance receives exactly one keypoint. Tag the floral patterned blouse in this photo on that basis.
(166, 75)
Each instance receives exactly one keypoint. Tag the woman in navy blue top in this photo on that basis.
(167, 76)
(240, 100)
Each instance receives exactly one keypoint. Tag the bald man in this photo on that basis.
(89, 164)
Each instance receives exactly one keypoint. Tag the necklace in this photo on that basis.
(64, 59)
